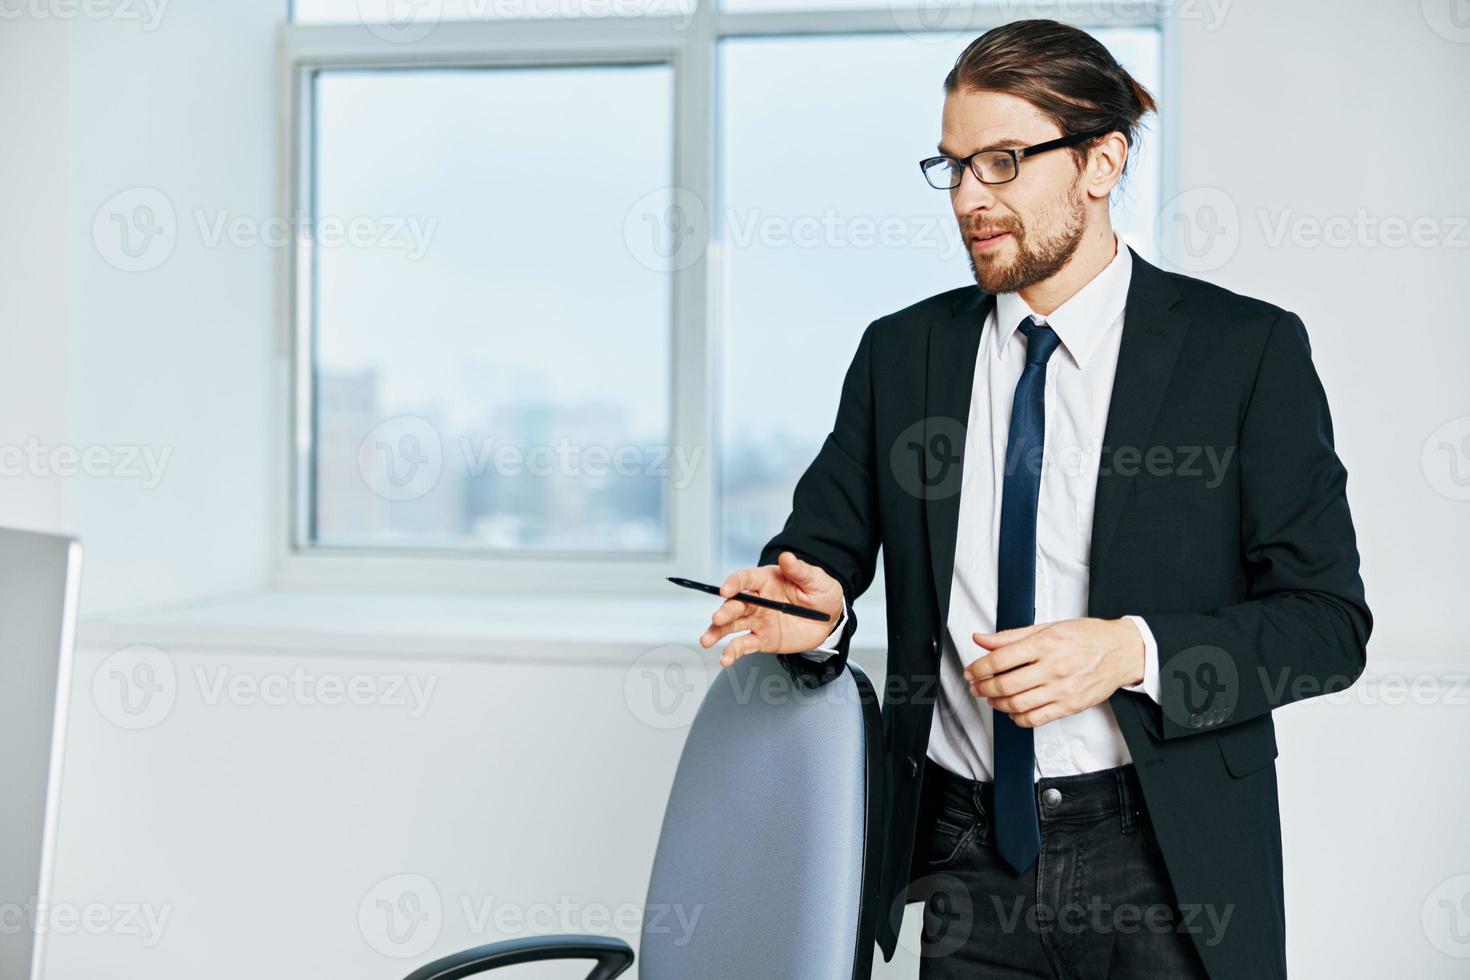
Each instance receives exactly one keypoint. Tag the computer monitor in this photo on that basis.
(40, 575)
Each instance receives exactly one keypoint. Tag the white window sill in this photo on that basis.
(597, 629)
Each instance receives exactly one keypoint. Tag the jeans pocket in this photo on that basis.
(951, 830)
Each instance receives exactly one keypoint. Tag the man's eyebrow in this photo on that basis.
(1006, 144)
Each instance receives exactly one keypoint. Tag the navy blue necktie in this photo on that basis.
(1017, 832)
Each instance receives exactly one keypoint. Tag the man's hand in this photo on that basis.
(790, 580)
(1038, 674)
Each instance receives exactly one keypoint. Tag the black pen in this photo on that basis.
(756, 600)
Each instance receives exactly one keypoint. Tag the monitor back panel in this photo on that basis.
(39, 580)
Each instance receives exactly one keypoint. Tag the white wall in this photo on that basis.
(257, 833)
(261, 829)
(34, 298)
(172, 360)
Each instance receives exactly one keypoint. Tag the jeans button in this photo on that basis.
(1051, 799)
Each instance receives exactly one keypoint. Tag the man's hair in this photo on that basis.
(1061, 70)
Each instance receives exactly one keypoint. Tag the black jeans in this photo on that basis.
(1097, 905)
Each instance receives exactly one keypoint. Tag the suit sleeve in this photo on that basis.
(1303, 628)
(834, 513)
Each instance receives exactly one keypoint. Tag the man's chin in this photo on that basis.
(992, 276)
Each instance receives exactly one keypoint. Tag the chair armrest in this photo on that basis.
(613, 956)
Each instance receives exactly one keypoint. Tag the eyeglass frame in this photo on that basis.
(1017, 155)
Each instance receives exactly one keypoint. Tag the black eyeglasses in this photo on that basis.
(993, 166)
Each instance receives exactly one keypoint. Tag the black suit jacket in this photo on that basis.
(1246, 569)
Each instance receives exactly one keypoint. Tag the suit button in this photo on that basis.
(913, 766)
(934, 645)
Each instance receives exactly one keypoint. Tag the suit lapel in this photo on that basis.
(953, 343)
(1152, 336)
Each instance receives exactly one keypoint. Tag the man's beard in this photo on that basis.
(1033, 262)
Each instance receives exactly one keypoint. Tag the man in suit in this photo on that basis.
(1115, 536)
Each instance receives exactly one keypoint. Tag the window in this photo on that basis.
(580, 290)
(417, 16)
(492, 361)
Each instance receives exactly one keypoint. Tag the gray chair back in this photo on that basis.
(767, 862)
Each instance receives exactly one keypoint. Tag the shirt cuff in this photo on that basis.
(1150, 684)
(827, 647)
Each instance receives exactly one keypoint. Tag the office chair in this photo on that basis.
(767, 862)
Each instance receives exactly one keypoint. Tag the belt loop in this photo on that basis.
(1125, 803)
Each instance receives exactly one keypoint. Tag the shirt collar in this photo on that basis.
(1083, 317)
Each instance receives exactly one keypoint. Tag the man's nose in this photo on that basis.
(971, 195)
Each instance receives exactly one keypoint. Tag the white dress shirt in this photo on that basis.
(1079, 384)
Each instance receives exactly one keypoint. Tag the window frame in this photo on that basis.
(689, 44)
